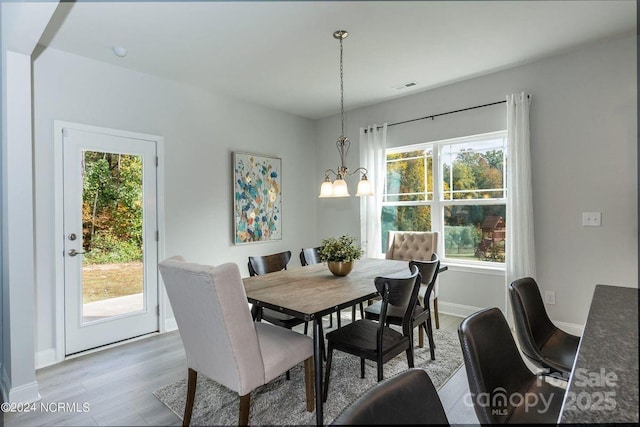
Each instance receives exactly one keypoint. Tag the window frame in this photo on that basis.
(437, 202)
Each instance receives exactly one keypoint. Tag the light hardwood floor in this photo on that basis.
(117, 384)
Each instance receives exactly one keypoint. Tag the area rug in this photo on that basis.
(282, 402)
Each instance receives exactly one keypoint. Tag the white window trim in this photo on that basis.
(437, 203)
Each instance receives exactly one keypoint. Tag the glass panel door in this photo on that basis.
(111, 283)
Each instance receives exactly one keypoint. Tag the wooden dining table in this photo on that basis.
(311, 292)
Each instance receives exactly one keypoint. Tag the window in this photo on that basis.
(467, 206)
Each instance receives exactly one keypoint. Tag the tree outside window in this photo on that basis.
(468, 207)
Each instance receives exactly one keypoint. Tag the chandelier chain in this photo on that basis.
(341, 90)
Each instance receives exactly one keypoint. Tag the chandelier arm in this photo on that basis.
(343, 144)
(359, 169)
(326, 173)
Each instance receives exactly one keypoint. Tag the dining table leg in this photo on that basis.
(318, 337)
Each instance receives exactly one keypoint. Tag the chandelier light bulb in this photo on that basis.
(326, 190)
(340, 188)
(364, 187)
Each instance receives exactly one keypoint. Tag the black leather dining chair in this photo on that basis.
(407, 398)
(503, 389)
(376, 341)
(546, 345)
(310, 256)
(421, 313)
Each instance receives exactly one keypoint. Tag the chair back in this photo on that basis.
(495, 369)
(265, 264)
(402, 294)
(219, 336)
(309, 256)
(533, 326)
(408, 398)
(411, 245)
(428, 273)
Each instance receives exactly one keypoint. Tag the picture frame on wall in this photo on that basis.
(257, 198)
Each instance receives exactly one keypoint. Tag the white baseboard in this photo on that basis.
(26, 393)
(170, 325)
(46, 358)
(454, 309)
(467, 310)
(571, 328)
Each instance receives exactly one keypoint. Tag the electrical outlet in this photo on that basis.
(549, 297)
(591, 219)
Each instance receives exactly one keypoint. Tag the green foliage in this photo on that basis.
(107, 249)
(341, 248)
(475, 171)
(112, 207)
(461, 237)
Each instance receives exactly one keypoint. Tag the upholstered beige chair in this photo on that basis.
(220, 338)
(419, 246)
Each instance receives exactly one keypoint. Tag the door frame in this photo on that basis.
(59, 322)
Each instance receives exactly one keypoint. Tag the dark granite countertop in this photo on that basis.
(603, 387)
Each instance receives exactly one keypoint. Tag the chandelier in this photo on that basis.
(338, 188)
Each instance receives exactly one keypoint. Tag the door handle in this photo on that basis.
(73, 252)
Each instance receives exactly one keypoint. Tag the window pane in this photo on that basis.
(409, 176)
(404, 218)
(475, 232)
(473, 170)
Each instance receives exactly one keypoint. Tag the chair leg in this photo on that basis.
(331, 320)
(306, 327)
(309, 385)
(256, 313)
(327, 374)
(243, 416)
(380, 368)
(353, 313)
(410, 357)
(191, 395)
(435, 311)
(362, 368)
(339, 319)
(361, 311)
(420, 337)
(432, 345)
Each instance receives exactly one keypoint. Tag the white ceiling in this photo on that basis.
(282, 54)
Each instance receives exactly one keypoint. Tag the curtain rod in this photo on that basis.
(433, 116)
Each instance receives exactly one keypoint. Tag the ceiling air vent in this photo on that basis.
(405, 85)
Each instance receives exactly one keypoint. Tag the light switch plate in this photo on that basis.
(550, 297)
(591, 219)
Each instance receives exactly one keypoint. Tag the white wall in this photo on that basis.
(200, 131)
(584, 158)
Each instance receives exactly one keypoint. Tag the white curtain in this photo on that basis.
(520, 259)
(373, 144)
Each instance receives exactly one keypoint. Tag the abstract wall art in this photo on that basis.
(257, 198)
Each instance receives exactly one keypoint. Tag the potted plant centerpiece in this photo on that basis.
(339, 253)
